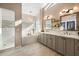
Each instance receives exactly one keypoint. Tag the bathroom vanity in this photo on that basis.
(63, 44)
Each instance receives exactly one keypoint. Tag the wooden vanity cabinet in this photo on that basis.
(60, 45)
(64, 45)
(69, 47)
(40, 38)
(44, 39)
(49, 41)
(76, 47)
(52, 37)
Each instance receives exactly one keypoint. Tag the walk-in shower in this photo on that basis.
(7, 28)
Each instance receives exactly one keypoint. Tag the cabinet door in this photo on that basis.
(38, 38)
(41, 38)
(60, 45)
(48, 41)
(44, 39)
(69, 47)
(76, 47)
(53, 42)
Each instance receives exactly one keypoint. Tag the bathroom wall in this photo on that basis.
(18, 15)
(27, 24)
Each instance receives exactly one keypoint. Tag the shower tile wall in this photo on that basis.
(8, 28)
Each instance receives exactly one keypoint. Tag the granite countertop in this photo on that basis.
(67, 36)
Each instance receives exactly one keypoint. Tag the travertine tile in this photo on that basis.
(34, 49)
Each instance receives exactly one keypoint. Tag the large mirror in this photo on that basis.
(69, 22)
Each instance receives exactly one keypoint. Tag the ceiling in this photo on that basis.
(34, 8)
(31, 8)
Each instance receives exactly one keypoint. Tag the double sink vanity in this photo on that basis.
(64, 44)
(62, 36)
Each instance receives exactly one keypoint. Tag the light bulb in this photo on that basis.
(71, 11)
(61, 13)
(66, 10)
(50, 16)
(63, 9)
(45, 17)
(75, 8)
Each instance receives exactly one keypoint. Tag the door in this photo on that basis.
(60, 45)
(8, 28)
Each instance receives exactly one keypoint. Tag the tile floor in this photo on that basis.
(34, 49)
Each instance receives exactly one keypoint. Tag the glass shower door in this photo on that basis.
(8, 28)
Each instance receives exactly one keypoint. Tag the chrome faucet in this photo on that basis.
(67, 33)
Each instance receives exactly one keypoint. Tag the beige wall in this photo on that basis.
(42, 19)
(58, 7)
(18, 15)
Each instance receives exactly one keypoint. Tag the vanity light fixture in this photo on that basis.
(50, 17)
(65, 11)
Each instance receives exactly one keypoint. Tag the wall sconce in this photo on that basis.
(48, 17)
(64, 11)
(45, 17)
(67, 10)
